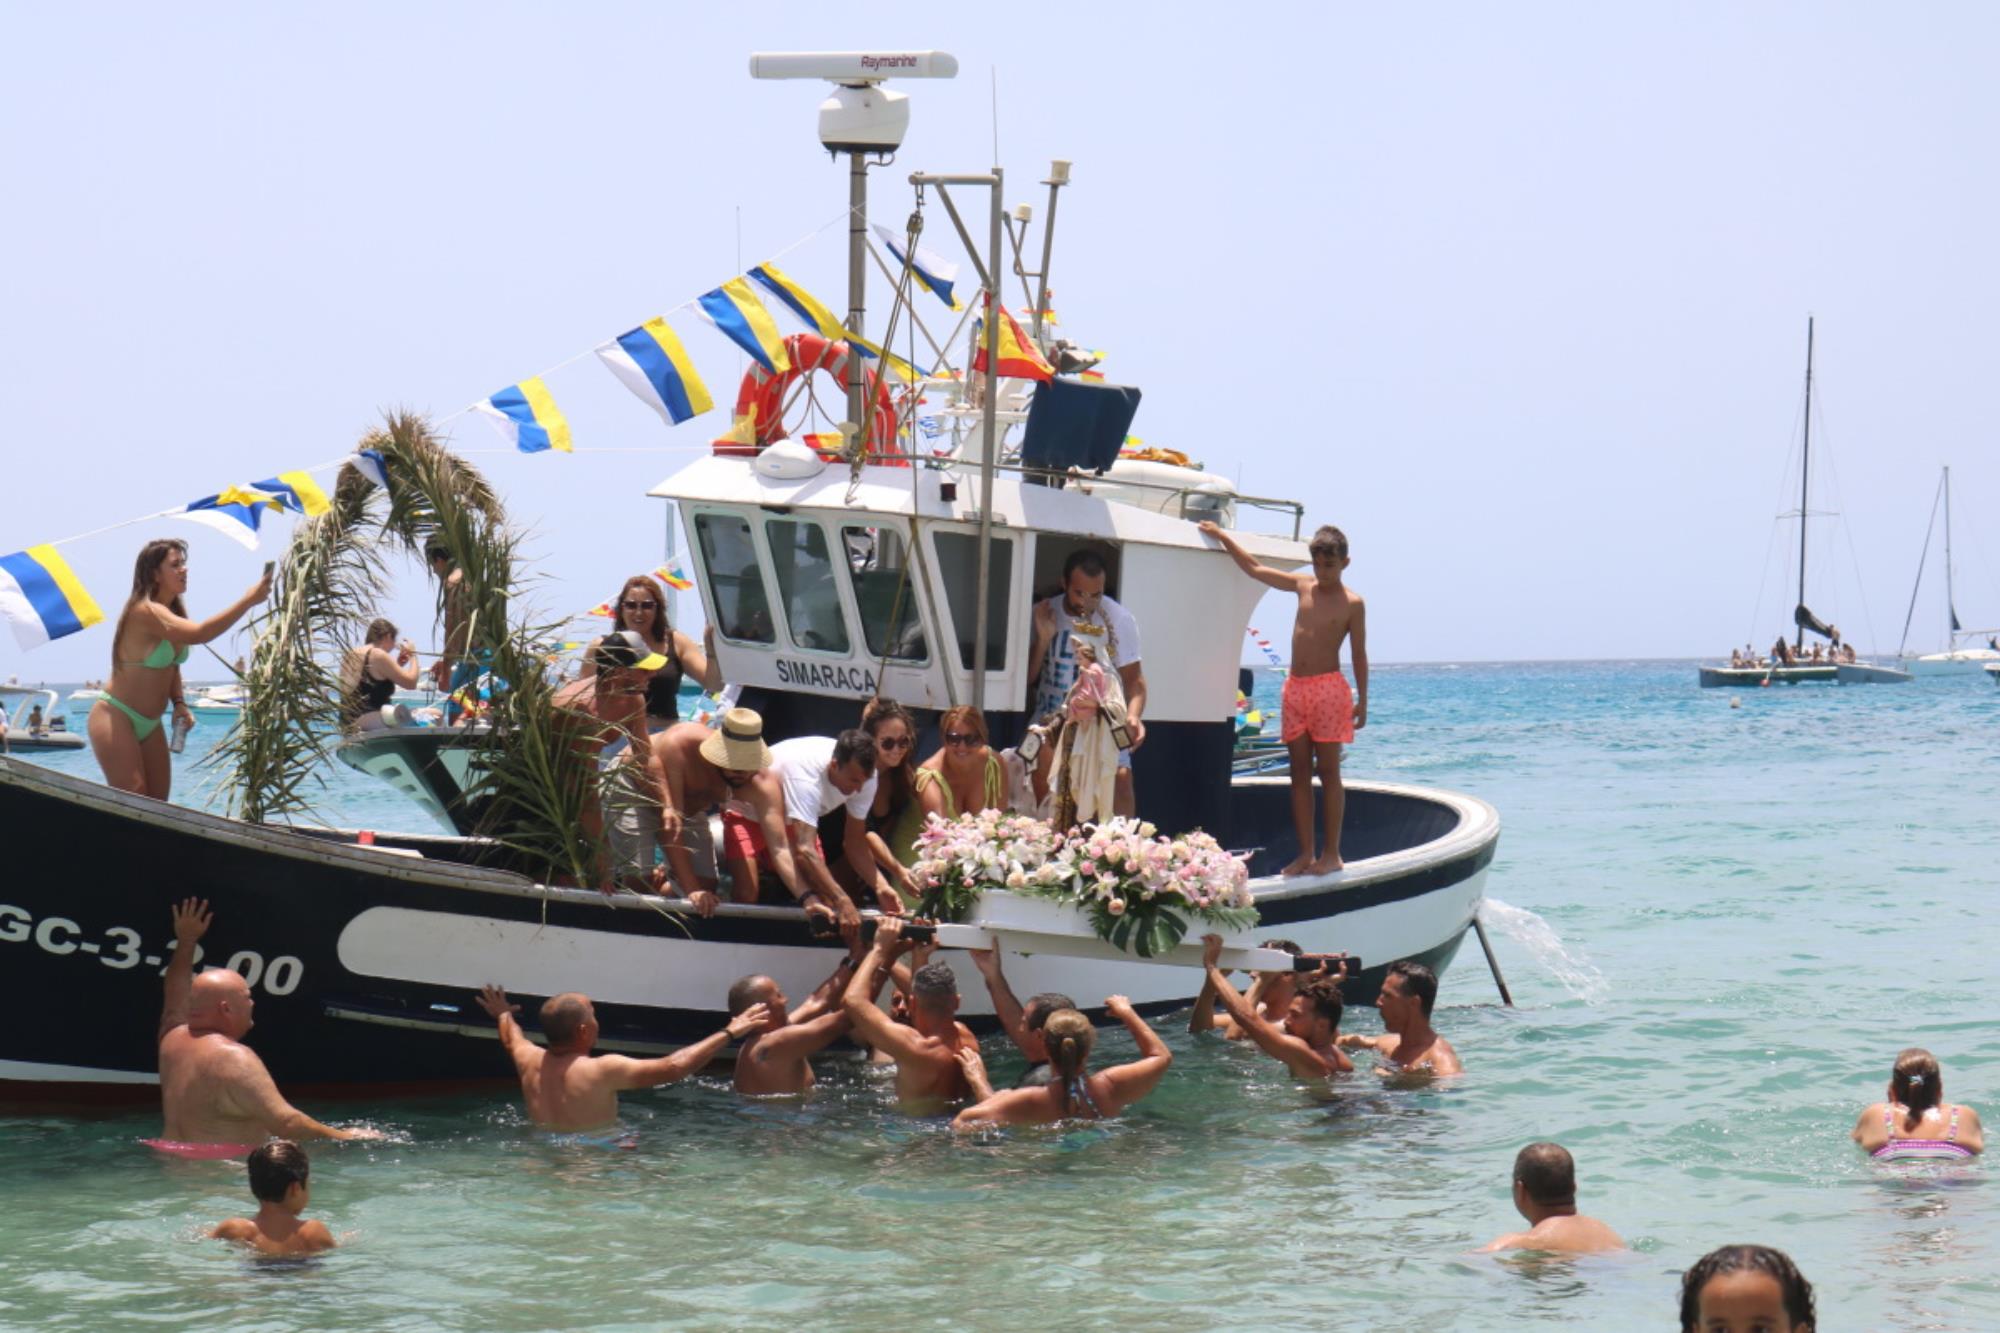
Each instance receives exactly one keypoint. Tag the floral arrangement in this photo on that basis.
(1138, 889)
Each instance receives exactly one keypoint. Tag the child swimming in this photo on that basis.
(278, 1179)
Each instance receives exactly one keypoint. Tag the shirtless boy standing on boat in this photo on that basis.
(928, 1073)
(1319, 712)
(214, 1090)
(776, 1058)
(568, 1089)
(1411, 1046)
(1307, 1042)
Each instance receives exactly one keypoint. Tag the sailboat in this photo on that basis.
(1963, 654)
(1788, 665)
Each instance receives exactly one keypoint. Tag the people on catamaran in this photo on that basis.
(1023, 1023)
(1082, 613)
(1306, 1039)
(776, 1059)
(1270, 995)
(822, 774)
(596, 714)
(148, 647)
(1411, 1046)
(895, 815)
(279, 1181)
(569, 1090)
(1916, 1123)
(929, 1075)
(1072, 1091)
(1746, 1289)
(641, 607)
(965, 776)
(371, 674)
(217, 1098)
(1545, 1195)
(726, 769)
(1319, 712)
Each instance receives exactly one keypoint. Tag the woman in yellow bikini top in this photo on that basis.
(147, 650)
(964, 776)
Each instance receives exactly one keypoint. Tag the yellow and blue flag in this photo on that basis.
(42, 597)
(933, 272)
(734, 308)
(296, 491)
(527, 417)
(813, 313)
(651, 362)
(234, 511)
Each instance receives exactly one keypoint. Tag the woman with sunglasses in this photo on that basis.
(896, 816)
(964, 776)
(642, 607)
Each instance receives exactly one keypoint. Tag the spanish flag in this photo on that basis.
(42, 598)
(1018, 357)
(527, 417)
(735, 310)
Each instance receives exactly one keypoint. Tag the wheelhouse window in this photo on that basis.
(742, 607)
(958, 570)
(804, 566)
(885, 589)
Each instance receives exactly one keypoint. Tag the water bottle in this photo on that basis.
(183, 724)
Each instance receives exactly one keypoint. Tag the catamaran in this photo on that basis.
(1964, 653)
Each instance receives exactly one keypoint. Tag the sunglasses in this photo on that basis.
(962, 739)
(894, 743)
(631, 605)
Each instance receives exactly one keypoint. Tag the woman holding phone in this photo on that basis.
(147, 650)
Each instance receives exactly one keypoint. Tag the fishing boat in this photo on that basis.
(1798, 670)
(1964, 654)
(17, 719)
(893, 572)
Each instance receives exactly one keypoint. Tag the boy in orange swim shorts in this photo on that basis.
(1320, 713)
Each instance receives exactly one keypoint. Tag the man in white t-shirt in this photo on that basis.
(1082, 613)
(821, 774)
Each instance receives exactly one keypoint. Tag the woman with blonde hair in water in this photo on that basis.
(1072, 1092)
(147, 650)
(1917, 1123)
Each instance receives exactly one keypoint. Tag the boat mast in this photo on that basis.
(1805, 465)
(1950, 602)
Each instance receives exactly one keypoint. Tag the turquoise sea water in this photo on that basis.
(1720, 925)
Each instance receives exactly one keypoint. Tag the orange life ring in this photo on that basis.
(762, 394)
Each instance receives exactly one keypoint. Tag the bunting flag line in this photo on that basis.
(527, 417)
(1264, 643)
(934, 273)
(675, 577)
(42, 597)
(813, 313)
(1017, 354)
(735, 310)
(370, 464)
(296, 491)
(235, 512)
(651, 362)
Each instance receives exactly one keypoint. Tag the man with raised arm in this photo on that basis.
(214, 1090)
(1411, 1046)
(1022, 1022)
(700, 769)
(776, 1058)
(1270, 995)
(1307, 1042)
(929, 1076)
(1074, 1092)
(566, 1087)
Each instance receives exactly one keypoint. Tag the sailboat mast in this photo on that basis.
(1805, 466)
(1950, 602)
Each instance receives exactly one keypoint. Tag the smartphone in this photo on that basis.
(270, 568)
(1339, 964)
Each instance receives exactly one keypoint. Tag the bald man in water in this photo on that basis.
(213, 1088)
(568, 1089)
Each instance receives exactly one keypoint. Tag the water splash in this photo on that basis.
(1578, 975)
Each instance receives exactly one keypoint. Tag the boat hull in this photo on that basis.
(363, 961)
(1753, 677)
(1863, 673)
(1964, 663)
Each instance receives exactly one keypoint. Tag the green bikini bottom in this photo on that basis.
(142, 726)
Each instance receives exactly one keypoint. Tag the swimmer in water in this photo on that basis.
(1411, 1047)
(929, 1076)
(1270, 995)
(1917, 1123)
(1545, 1194)
(568, 1089)
(1746, 1289)
(1072, 1092)
(775, 1059)
(1022, 1022)
(215, 1091)
(1307, 1041)
(278, 1172)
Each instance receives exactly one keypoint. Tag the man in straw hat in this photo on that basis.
(730, 767)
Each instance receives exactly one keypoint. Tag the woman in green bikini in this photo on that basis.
(151, 642)
(964, 776)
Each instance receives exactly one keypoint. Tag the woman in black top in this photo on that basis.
(642, 606)
(373, 673)
(891, 828)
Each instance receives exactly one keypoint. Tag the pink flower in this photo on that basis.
(1116, 907)
(1088, 867)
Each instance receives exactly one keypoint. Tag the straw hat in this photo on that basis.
(738, 744)
(626, 648)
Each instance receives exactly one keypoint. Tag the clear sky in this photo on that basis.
(1515, 294)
